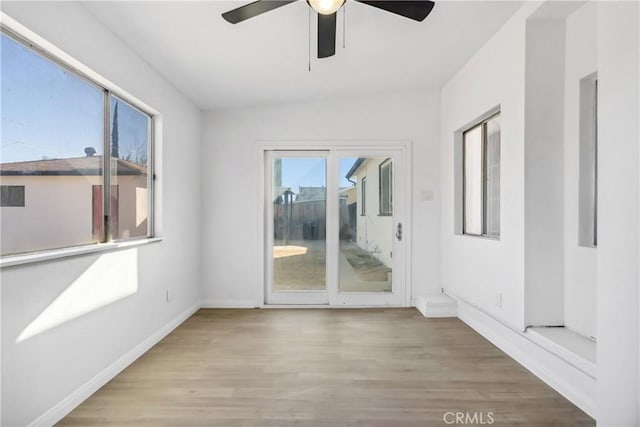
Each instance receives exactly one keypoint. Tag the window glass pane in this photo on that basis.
(473, 181)
(51, 145)
(12, 195)
(588, 185)
(492, 183)
(299, 223)
(366, 241)
(130, 130)
(386, 188)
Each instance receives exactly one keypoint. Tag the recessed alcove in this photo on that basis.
(560, 279)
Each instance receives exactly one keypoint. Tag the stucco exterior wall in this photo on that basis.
(58, 211)
(374, 231)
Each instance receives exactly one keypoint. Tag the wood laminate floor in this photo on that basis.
(324, 368)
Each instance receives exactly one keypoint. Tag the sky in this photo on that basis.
(47, 112)
(310, 172)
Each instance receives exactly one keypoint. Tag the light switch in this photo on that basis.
(426, 195)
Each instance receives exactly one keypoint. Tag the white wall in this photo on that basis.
(46, 360)
(544, 172)
(231, 275)
(580, 262)
(618, 213)
(477, 269)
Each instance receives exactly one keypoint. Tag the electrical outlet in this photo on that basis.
(499, 299)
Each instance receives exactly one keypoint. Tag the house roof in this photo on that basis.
(83, 166)
(355, 167)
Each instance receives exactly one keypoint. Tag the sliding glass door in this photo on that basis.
(334, 228)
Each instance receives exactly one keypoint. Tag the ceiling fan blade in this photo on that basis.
(326, 35)
(253, 9)
(412, 9)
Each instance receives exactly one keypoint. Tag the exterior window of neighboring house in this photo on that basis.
(363, 196)
(12, 195)
(67, 138)
(386, 187)
(588, 177)
(481, 178)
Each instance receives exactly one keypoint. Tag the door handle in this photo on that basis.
(399, 231)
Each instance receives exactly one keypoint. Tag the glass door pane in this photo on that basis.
(299, 195)
(366, 224)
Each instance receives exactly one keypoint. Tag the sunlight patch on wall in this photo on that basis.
(111, 277)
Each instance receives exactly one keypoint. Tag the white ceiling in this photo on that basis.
(264, 60)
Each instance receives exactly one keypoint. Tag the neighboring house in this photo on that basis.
(58, 202)
(374, 206)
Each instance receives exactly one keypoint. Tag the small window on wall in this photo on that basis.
(386, 187)
(12, 196)
(481, 178)
(588, 178)
(363, 196)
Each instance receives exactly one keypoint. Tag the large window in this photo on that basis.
(386, 187)
(64, 140)
(481, 181)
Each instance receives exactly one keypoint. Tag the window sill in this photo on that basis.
(481, 236)
(385, 214)
(576, 349)
(35, 257)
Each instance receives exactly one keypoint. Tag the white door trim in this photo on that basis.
(365, 147)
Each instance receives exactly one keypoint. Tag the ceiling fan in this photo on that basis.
(327, 12)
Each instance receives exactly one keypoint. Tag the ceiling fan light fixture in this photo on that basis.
(326, 7)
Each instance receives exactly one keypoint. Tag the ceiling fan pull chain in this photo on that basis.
(309, 44)
(344, 24)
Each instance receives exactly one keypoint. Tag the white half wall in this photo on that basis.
(581, 60)
(618, 213)
(544, 172)
(231, 174)
(67, 321)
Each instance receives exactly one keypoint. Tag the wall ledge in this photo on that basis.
(54, 254)
(436, 305)
(568, 380)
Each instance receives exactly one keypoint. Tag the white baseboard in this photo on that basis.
(69, 403)
(436, 305)
(230, 303)
(574, 384)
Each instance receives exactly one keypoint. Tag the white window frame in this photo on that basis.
(482, 123)
(363, 196)
(387, 163)
(23, 36)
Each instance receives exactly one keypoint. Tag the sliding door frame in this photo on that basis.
(333, 149)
